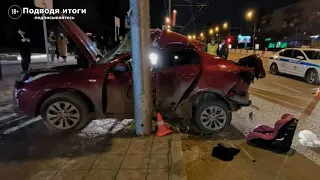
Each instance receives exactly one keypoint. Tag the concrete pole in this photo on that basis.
(0, 71)
(46, 38)
(140, 39)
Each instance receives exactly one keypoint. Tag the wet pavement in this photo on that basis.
(109, 151)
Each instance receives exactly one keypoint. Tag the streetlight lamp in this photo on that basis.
(167, 20)
(201, 34)
(194, 37)
(211, 31)
(250, 16)
(217, 29)
(226, 26)
(189, 37)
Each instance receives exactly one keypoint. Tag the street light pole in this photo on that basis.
(169, 9)
(254, 34)
(140, 39)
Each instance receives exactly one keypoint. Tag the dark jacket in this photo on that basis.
(224, 51)
(24, 47)
(81, 58)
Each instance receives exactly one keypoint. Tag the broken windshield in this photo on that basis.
(123, 47)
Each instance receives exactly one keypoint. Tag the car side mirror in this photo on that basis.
(121, 67)
(300, 57)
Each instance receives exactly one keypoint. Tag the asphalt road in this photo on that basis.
(9, 120)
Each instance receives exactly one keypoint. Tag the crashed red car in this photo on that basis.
(191, 84)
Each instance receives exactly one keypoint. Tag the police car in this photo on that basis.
(302, 62)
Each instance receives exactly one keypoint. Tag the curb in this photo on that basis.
(177, 168)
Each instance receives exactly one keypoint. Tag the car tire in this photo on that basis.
(204, 108)
(78, 113)
(312, 80)
(274, 69)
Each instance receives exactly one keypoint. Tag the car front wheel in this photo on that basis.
(212, 116)
(64, 112)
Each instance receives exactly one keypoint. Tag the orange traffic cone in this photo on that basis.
(162, 128)
(317, 95)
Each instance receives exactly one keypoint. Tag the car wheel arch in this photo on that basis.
(60, 90)
(310, 69)
(191, 102)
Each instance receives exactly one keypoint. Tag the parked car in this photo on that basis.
(190, 84)
(301, 62)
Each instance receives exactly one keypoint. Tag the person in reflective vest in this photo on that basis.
(212, 47)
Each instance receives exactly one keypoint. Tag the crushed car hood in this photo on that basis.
(53, 70)
(83, 42)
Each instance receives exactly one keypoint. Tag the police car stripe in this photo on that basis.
(300, 62)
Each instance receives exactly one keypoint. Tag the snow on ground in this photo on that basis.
(268, 113)
(104, 126)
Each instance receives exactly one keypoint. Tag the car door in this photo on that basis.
(285, 61)
(174, 80)
(118, 88)
(297, 61)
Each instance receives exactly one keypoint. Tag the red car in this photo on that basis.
(190, 84)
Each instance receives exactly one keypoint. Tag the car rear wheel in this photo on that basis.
(274, 69)
(64, 112)
(312, 77)
(212, 116)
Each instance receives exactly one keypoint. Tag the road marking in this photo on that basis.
(286, 87)
(8, 116)
(12, 129)
(259, 94)
(6, 107)
(17, 119)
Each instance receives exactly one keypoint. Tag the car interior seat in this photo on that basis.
(278, 138)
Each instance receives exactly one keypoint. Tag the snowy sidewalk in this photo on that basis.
(35, 60)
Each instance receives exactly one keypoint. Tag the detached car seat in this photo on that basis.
(277, 139)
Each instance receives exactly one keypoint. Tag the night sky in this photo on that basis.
(99, 18)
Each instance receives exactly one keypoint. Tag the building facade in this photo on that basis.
(297, 22)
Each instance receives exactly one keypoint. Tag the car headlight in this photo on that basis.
(153, 58)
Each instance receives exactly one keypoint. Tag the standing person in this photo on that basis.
(212, 47)
(24, 50)
(102, 45)
(62, 46)
(57, 50)
(52, 45)
(224, 50)
(110, 44)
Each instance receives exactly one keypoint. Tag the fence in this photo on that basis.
(265, 54)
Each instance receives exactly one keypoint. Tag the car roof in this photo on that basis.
(302, 49)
